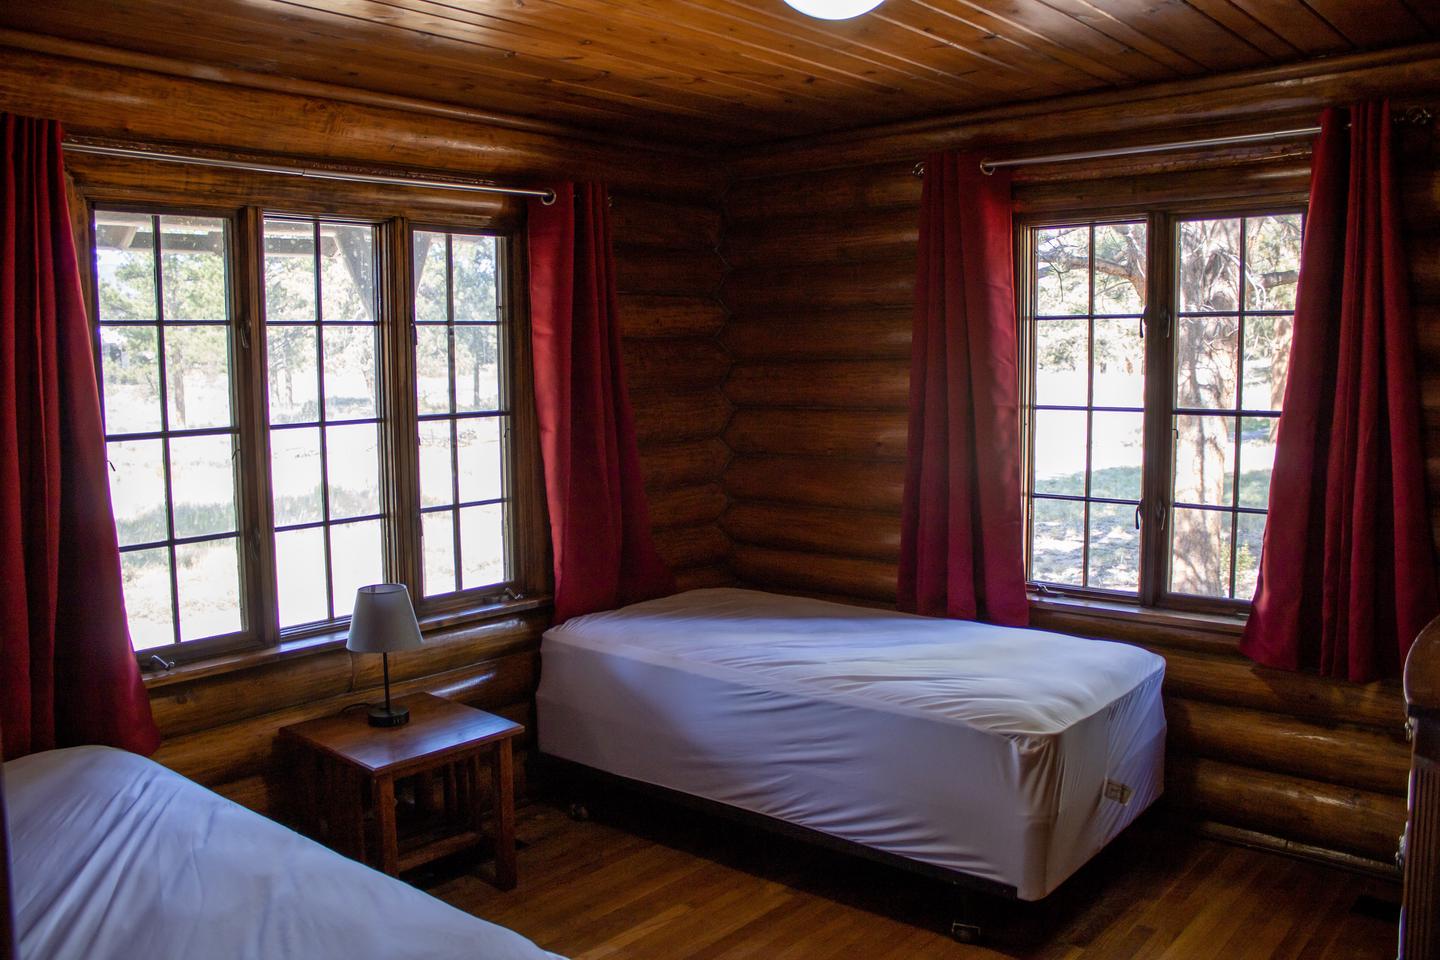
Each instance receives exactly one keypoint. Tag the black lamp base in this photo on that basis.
(389, 716)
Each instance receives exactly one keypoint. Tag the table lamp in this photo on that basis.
(384, 623)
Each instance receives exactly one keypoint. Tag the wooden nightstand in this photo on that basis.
(347, 772)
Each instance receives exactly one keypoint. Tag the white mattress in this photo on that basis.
(113, 856)
(975, 748)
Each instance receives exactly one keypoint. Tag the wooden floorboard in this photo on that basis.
(649, 882)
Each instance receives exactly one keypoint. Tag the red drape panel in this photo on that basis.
(1347, 571)
(67, 673)
(962, 536)
(599, 521)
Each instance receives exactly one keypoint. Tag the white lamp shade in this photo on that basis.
(834, 9)
(383, 621)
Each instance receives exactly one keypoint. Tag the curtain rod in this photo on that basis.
(546, 197)
(988, 167)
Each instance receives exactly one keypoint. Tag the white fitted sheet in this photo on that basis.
(114, 856)
(967, 746)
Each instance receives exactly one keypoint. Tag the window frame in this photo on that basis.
(145, 187)
(1161, 316)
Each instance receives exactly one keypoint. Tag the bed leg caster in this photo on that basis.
(578, 812)
(965, 932)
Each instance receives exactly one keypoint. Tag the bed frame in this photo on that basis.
(573, 782)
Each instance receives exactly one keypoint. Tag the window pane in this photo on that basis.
(436, 465)
(430, 278)
(1209, 266)
(1251, 534)
(432, 369)
(137, 491)
(130, 368)
(208, 574)
(357, 559)
(197, 376)
(1119, 363)
(477, 368)
(125, 266)
(349, 372)
(1272, 261)
(192, 265)
(1205, 362)
(1200, 552)
(1062, 280)
(353, 465)
(300, 576)
(482, 459)
(482, 545)
(145, 575)
(475, 291)
(289, 271)
(1058, 541)
(1257, 459)
(1120, 259)
(347, 272)
(295, 477)
(438, 531)
(1204, 460)
(1117, 455)
(294, 382)
(1267, 361)
(202, 485)
(1062, 357)
(1059, 459)
(1114, 547)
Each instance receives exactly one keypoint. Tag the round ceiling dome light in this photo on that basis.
(834, 9)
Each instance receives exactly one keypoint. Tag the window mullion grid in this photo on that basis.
(158, 260)
(1158, 449)
(322, 423)
(454, 406)
(1089, 408)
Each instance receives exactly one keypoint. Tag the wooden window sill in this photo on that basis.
(331, 640)
(1224, 628)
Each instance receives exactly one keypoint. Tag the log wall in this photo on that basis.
(820, 297)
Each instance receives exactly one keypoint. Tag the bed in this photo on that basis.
(1002, 756)
(114, 856)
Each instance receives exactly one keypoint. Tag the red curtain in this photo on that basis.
(599, 522)
(962, 537)
(67, 673)
(1347, 572)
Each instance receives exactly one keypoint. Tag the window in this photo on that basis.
(463, 411)
(270, 454)
(1153, 397)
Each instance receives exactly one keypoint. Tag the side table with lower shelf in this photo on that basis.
(348, 770)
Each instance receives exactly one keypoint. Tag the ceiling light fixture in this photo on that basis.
(834, 9)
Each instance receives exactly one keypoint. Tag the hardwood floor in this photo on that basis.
(656, 883)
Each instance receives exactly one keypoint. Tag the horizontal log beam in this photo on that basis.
(704, 545)
(867, 333)
(856, 484)
(701, 578)
(649, 316)
(1335, 753)
(1329, 816)
(882, 283)
(845, 384)
(662, 365)
(684, 464)
(788, 571)
(826, 531)
(825, 193)
(656, 270)
(664, 223)
(851, 236)
(686, 506)
(859, 434)
(670, 417)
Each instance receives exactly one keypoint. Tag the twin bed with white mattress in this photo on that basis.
(113, 856)
(1003, 755)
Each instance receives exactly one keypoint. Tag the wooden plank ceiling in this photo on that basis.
(733, 72)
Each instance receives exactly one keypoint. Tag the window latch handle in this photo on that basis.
(1139, 507)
